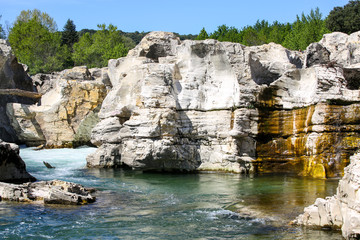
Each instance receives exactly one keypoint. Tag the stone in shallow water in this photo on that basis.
(47, 192)
(12, 167)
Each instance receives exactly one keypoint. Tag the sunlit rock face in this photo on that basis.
(209, 105)
(342, 209)
(67, 111)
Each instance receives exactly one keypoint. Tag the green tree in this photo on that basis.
(202, 35)
(43, 18)
(278, 32)
(305, 30)
(36, 43)
(345, 19)
(95, 50)
(226, 34)
(250, 37)
(69, 35)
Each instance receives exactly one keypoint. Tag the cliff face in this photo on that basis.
(12, 76)
(67, 111)
(208, 105)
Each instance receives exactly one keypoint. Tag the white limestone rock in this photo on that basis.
(199, 99)
(47, 192)
(344, 49)
(186, 105)
(67, 112)
(341, 210)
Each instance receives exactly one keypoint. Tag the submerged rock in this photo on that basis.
(209, 105)
(341, 210)
(47, 192)
(12, 167)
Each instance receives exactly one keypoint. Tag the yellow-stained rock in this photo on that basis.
(67, 114)
(314, 141)
(318, 171)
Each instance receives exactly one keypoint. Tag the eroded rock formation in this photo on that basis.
(47, 192)
(67, 111)
(209, 105)
(13, 78)
(341, 210)
(12, 167)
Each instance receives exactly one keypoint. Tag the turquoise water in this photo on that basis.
(135, 205)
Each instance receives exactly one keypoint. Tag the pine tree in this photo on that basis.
(69, 35)
(36, 42)
(202, 35)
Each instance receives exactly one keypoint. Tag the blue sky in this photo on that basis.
(182, 16)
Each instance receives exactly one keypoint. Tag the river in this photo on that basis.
(136, 205)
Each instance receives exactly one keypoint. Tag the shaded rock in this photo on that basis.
(47, 192)
(12, 167)
(316, 54)
(12, 76)
(341, 210)
(48, 165)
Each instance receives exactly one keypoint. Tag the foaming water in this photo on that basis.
(135, 205)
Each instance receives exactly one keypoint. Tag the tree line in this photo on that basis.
(298, 35)
(38, 43)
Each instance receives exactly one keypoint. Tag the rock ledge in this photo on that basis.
(47, 192)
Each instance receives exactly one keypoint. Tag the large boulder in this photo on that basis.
(47, 192)
(209, 105)
(341, 210)
(67, 111)
(12, 167)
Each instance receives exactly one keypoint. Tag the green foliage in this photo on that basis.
(186, 36)
(202, 35)
(43, 18)
(95, 50)
(69, 35)
(36, 43)
(278, 32)
(251, 37)
(262, 32)
(305, 30)
(345, 19)
(225, 33)
(83, 31)
(134, 36)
